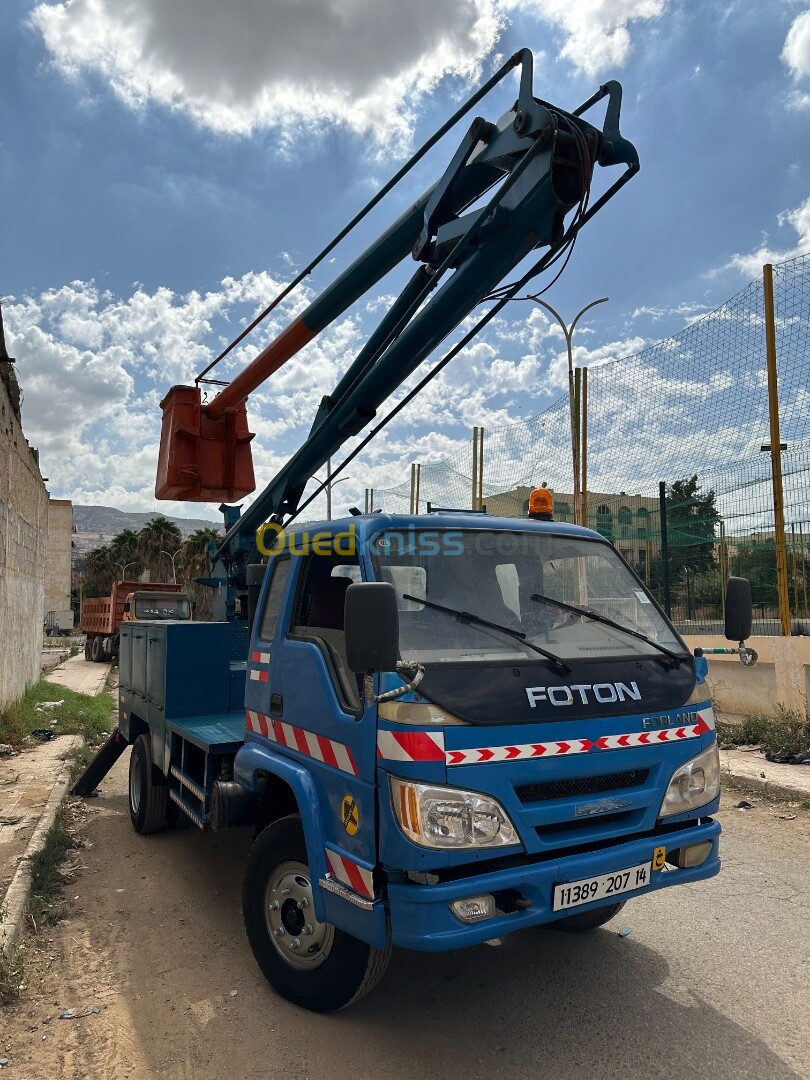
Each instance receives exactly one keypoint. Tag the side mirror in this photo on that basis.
(371, 622)
(255, 577)
(739, 609)
(127, 608)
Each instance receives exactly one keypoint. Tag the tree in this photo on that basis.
(155, 539)
(194, 560)
(691, 531)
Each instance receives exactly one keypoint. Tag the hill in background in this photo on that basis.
(97, 525)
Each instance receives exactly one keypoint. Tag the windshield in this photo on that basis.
(168, 606)
(510, 579)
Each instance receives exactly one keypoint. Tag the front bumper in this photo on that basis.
(421, 917)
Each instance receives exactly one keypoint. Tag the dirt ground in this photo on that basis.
(152, 939)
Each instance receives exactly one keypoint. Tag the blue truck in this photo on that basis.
(442, 728)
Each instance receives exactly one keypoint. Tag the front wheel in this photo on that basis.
(310, 963)
(588, 920)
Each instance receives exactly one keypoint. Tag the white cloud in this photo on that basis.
(750, 264)
(796, 51)
(597, 32)
(293, 65)
(300, 66)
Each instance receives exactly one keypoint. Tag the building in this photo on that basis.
(58, 555)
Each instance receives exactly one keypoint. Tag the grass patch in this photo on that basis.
(12, 973)
(46, 881)
(79, 714)
(787, 734)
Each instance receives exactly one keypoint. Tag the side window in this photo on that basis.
(280, 569)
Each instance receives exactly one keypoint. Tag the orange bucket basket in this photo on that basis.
(203, 459)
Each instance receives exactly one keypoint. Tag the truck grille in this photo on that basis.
(581, 785)
(582, 823)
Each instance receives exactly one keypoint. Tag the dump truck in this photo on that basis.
(440, 728)
(102, 616)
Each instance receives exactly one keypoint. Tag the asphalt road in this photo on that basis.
(711, 982)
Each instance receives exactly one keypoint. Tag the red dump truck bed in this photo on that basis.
(103, 614)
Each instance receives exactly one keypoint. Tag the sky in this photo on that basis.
(168, 165)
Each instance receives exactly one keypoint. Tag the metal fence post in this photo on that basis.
(662, 513)
(776, 452)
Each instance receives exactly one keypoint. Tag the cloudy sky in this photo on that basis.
(167, 165)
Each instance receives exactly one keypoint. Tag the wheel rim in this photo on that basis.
(135, 782)
(299, 938)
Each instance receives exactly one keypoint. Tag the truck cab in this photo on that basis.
(147, 605)
(538, 746)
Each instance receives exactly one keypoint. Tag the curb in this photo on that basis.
(744, 782)
(15, 903)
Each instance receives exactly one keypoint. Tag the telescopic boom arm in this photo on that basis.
(506, 192)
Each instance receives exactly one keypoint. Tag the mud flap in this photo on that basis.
(101, 764)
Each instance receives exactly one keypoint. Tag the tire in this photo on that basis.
(588, 920)
(342, 970)
(96, 650)
(88, 648)
(148, 797)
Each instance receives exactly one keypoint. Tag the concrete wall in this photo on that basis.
(23, 534)
(780, 676)
(58, 555)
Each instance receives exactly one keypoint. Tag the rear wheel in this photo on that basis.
(147, 795)
(88, 648)
(96, 650)
(588, 920)
(312, 964)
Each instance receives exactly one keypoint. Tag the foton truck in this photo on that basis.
(441, 728)
(102, 616)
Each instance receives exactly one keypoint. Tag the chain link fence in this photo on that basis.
(691, 411)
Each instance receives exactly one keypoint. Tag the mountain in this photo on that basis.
(97, 525)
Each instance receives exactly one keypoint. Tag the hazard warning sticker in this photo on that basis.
(350, 815)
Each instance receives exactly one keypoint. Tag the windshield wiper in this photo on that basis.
(468, 616)
(597, 616)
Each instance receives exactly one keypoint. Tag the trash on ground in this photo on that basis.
(43, 734)
(744, 805)
(77, 1014)
(233, 993)
(625, 932)
(785, 817)
(6, 749)
(43, 706)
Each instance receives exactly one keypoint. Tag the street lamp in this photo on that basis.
(329, 485)
(123, 568)
(568, 333)
(172, 557)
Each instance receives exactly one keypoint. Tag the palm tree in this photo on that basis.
(157, 537)
(194, 560)
(124, 549)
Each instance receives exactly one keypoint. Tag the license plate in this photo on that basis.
(574, 893)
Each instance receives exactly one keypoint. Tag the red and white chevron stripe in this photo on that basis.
(492, 754)
(260, 657)
(410, 745)
(356, 877)
(256, 675)
(333, 753)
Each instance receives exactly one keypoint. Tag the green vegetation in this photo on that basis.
(77, 715)
(46, 881)
(785, 735)
(11, 975)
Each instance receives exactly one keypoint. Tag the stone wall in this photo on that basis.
(23, 535)
(58, 555)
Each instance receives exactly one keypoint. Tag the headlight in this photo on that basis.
(694, 784)
(444, 817)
